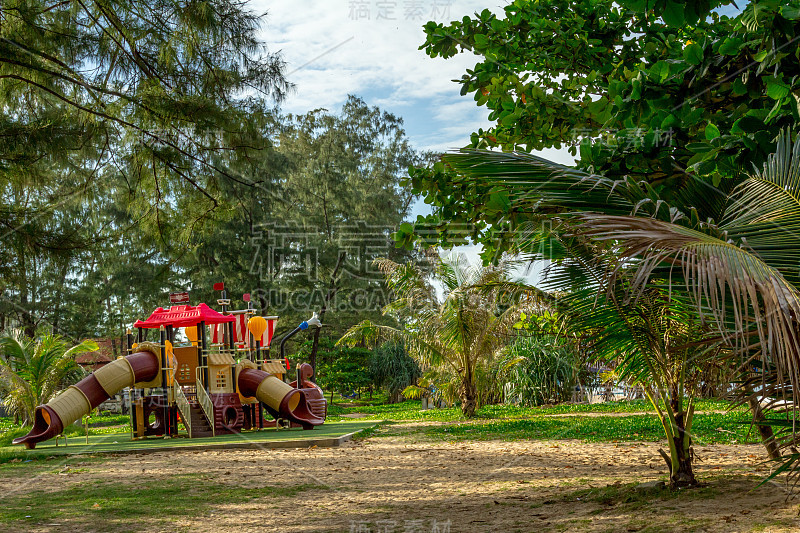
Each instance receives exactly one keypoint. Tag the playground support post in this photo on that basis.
(203, 353)
(162, 335)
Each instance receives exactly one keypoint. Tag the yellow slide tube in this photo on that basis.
(79, 399)
(288, 402)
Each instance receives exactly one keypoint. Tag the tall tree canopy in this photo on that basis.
(143, 153)
(127, 103)
(661, 92)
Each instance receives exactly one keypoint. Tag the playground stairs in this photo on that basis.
(200, 425)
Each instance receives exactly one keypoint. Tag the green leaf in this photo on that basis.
(660, 71)
(712, 132)
(481, 41)
(499, 201)
(693, 54)
(509, 119)
(776, 89)
(731, 46)
(748, 124)
(791, 12)
(761, 55)
(673, 14)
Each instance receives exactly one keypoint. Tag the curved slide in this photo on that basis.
(79, 399)
(289, 402)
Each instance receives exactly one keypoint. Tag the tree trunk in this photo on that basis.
(681, 453)
(468, 396)
(682, 475)
(328, 297)
(767, 436)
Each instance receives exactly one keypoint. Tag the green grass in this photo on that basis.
(98, 425)
(108, 505)
(596, 429)
(506, 422)
(410, 410)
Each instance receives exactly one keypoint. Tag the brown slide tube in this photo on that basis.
(288, 401)
(79, 399)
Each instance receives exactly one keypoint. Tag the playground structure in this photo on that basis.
(217, 387)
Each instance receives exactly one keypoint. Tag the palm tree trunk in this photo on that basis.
(767, 436)
(469, 394)
(677, 425)
(682, 474)
(681, 453)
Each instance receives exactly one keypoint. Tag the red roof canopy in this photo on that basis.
(181, 316)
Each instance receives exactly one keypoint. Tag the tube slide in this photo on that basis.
(289, 402)
(79, 399)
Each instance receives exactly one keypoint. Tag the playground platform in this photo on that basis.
(327, 436)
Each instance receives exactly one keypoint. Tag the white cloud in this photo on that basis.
(331, 54)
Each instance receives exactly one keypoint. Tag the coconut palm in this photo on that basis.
(673, 274)
(468, 324)
(33, 371)
(656, 341)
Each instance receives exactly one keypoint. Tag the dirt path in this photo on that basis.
(400, 484)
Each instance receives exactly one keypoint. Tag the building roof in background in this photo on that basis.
(104, 354)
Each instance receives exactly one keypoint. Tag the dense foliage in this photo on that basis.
(391, 367)
(673, 255)
(453, 335)
(537, 371)
(660, 92)
(145, 154)
(340, 369)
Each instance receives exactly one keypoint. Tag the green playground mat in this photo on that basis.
(327, 435)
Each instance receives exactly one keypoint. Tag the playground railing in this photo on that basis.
(183, 406)
(208, 406)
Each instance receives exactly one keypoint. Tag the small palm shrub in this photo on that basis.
(538, 370)
(391, 368)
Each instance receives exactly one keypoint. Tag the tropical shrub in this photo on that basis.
(341, 369)
(536, 371)
(391, 367)
(34, 370)
(456, 333)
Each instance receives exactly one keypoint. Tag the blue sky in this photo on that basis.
(370, 48)
(333, 49)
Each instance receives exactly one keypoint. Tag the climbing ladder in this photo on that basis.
(192, 414)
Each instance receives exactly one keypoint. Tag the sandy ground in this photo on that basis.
(402, 484)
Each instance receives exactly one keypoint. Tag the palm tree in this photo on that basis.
(469, 323)
(656, 341)
(673, 274)
(33, 371)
